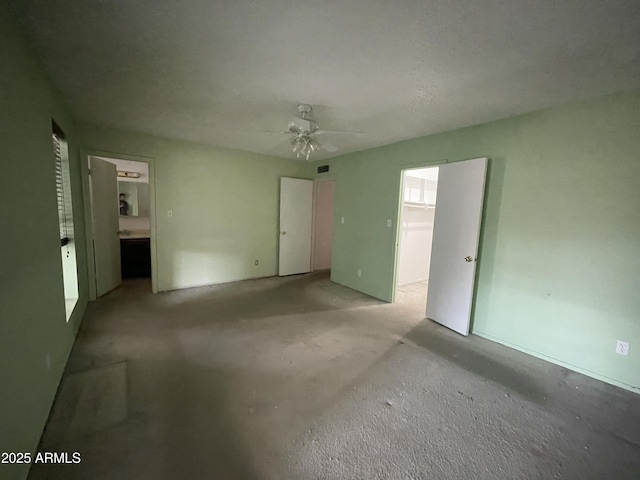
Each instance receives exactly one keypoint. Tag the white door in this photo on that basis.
(104, 215)
(296, 212)
(456, 229)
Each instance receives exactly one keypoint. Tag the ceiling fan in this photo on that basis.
(303, 131)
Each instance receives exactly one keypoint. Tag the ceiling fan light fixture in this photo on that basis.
(304, 145)
(297, 143)
(293, 128)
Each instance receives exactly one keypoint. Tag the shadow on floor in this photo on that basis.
(454, 348)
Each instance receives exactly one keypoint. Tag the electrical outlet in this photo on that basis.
(359, 273)
(341, 219)
(389, 223)
(622, 348)
(257, 262)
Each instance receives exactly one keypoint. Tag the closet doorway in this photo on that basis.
(438, 239)
(417, 213)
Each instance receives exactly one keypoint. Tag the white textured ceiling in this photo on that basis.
(222, 71)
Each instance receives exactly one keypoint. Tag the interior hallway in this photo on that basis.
(297, 377)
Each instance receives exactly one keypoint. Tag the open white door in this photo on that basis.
(296, 213)
(456, 230)
(103, 184)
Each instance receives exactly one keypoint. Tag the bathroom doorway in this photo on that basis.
(124, 249)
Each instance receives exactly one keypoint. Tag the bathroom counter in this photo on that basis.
(127, 234)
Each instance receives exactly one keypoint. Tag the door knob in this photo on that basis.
(468, 259)
(283, 233)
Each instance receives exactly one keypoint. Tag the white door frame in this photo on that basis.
(399, 226)
(88, 220)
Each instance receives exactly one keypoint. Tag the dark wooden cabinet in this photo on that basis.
(135, 257)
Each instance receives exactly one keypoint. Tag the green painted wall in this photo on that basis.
(224, 202)
(35, 339)
(559, 268)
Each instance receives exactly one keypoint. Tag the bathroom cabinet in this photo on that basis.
(135, 257)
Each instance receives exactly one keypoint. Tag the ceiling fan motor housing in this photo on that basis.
(301, 125)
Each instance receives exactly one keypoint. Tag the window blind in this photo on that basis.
(60, 188)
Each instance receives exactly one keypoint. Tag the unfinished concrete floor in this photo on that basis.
(299, 378)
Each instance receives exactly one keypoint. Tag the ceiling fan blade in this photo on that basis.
(282, 145)
(318, 132)
(329, 147)
(273, 131)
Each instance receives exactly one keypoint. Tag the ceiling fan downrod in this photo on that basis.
(304, 109)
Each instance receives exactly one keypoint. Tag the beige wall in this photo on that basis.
(134, 223)
(323, 224)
